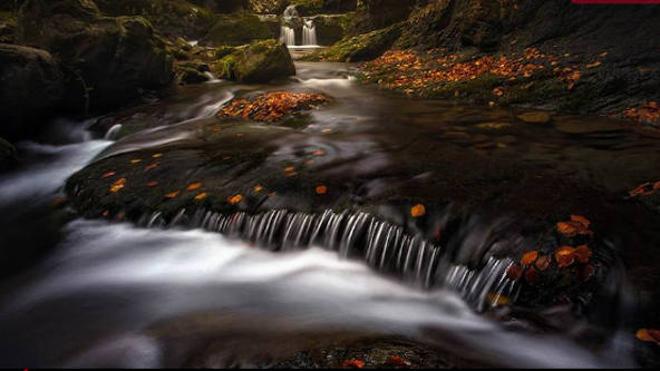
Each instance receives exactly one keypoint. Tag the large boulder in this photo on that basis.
(31, 83)
(267, 6)
(112, 60)
(238, 29)
(259, 62)
(363, 47)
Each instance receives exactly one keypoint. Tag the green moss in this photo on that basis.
(308, 7)
(359, 48)
(238, 29)
(258, 62)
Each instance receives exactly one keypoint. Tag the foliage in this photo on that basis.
(271, 107)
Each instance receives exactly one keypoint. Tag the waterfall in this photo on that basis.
(288, 35)
(309, 33)
(386, 247)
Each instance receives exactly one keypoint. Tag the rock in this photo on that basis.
(582, 126)
(359, 48)
(110, 60)
(7, 155)
(170, 17)
(259, 62)
(535, 117)
(238, 29)
(331, 28)
(31, 83)
(193, 72)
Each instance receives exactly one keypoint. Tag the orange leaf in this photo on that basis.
(353, 363)
(648, 335)
(583, 254)
(565, 256)
(152, 184)
(529, 257)
(194, 186)
(258, 188)
(418, 211)
(567, 229)
(202, 196)
(172, 195)
(118, 185)
(321, 189)
(235, 199)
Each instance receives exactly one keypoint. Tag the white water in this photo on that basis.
(288, 36)
(145, 276)
(309, 33)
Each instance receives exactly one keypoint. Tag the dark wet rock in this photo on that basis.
(377, 14)
(260, 61)
(170, 17)
(7, 155)
(363, 47)
(193, 72)
(331, 28)
(238, 29)
(31, 85)
(110, 61)
(595, 127)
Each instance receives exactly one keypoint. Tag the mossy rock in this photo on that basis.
(192, 72)
(308, 7)
(332, 28)
(259, 62)
(360, 48)
(7, 26)
(267, 6)
(170, 17)
(238, 29)
(109, 60)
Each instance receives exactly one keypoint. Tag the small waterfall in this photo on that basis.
(113, 131)
(385, 247)
(309, 33)
(288, 35)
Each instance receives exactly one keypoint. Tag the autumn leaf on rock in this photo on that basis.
(202, 196)
(151, 166)
(353, 363)
(194, 186)
(648, 335)
(514, 272)
(152, 184)
(109, 174)
(258, 188)
(172, 195)
(565, 256)
(118, 185)
(235, 199)
(321, 189)
(582, 254)
(397, 361)
(135, 161)
(542, 263)
(529, 257)
(418, 211)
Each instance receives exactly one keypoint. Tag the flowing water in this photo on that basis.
(153, 293)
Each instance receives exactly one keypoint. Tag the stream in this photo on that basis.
(118, 294)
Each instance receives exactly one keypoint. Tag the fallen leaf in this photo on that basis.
(581, 219)
(118, 185)
(648, 335)
(594, 65)
(235, 199)
(565, 256)
(531, 275)
(529, 257)
(194, 186)
(353, 363)
(498, 300)
(172, 195)
(321, 189)
(418, 211)
(108, 174)
(396, 361)
(151, 166)
(258, 188)
(202, 196)
(136, 161)
(567, 229)
(152, 184)
(157, 155)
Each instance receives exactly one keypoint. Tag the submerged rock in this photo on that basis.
(258, 62)
(31, 85)
(110, 61)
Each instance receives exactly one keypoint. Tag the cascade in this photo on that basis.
(309, 33)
